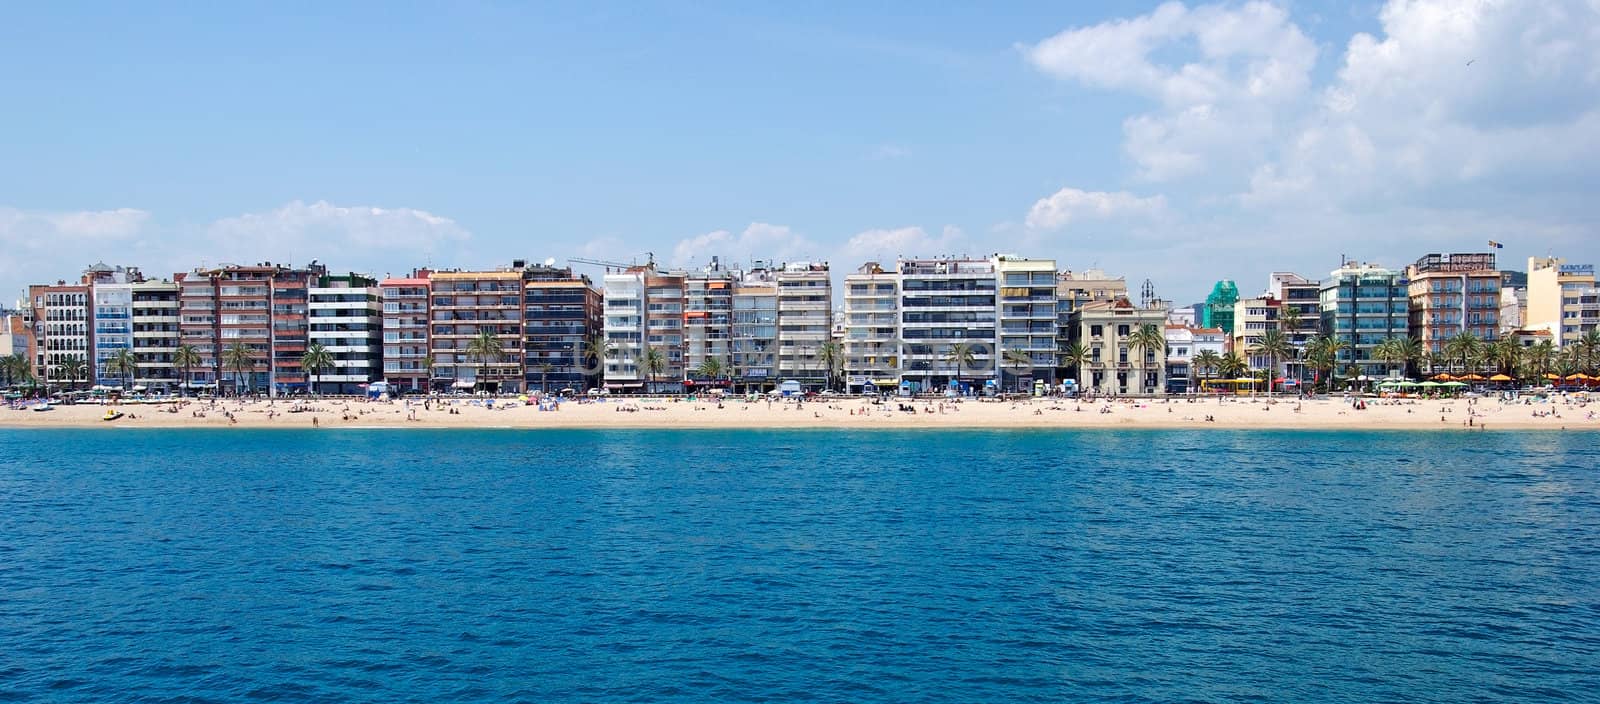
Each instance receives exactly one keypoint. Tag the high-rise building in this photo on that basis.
(872, 328)
(1363, 305)
(945, 303)
(1027, 320)
(248, 325)
(1116, 365)
(346, 318)
(562, 311)
(155, 335)
(805, 323)
(644, 329)
(1299, 316)
(754, 344)
(708, 324)
(1556, 292)
(475, 332)
(406, 363)
(1453, 294)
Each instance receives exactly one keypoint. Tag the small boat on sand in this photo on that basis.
(44, 407)
(111, 414)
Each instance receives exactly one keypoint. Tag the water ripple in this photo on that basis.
(455, 566)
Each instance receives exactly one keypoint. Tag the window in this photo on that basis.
(1096, 331)
(1122, 331)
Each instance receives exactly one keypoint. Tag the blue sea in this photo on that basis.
(798, 566)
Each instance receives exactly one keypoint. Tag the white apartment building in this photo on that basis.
(1027, 312)
(346, 318)
(113, 328)
(872, 329)
(753, 346)
(805, 322)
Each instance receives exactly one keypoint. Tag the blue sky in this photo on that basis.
(1181, 143)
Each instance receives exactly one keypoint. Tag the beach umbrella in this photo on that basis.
(1431, 384)
(1454, 384)
(1443, 376)
(1408, 382)
(1472, 377)
(1553, 377)
(1500, 377)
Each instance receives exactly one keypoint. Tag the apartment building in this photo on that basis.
(62, 330)
(111, 302)
(1184, 344)
(805, 323)
(1028, 313)
(708, 324)
(1453, 294)
(155, 325)
(1073, 291)
(871, 329)
(643, 320)
(1363, 305)
(562, 314)
(1556, 299)
(258, 310)
(1252, 319)
(1115, 365)
(476, 330)
(945, 303)
(346, 318)
(753, 344)
(406, 364)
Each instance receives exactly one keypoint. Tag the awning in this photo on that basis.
(463, 385)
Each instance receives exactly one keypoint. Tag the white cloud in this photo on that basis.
(1243, 63)
(884, 245)
(1070, 204)
(44, 246)
(335, 228)
(758, 240)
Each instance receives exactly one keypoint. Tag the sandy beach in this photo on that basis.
(1236, 413)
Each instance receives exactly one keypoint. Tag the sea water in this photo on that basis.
(743, 565)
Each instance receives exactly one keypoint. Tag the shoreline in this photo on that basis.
(1230, 413)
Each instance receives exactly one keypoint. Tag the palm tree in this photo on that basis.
(960, 355)
(544, 376)
(1409, 351)
(1232, 365)
(596, 348)
(185, 357)
(1205, 364)
(1142, 342)
(73, 368)
(1589, 351)
(1466, 348)
(487, 348)
(655, 363)
(1073, 357)
(710, 368)
(1018, 360)
(1505, 354)
(123, 364)
(831, 357)
(1540, 358)
(1387, 352)
(317, 360)
(238, 358)
(1275, 345)
(16, 369)
(1322, 353)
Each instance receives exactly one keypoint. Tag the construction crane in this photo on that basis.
(610, 265)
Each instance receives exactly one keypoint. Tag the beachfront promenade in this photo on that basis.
(1557, 413)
